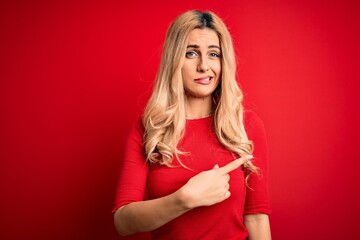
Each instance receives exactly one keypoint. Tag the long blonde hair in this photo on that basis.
(164, 117)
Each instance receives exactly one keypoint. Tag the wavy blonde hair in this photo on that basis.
(164, 117)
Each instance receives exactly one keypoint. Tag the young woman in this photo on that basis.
(195, 166)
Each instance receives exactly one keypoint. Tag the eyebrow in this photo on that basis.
(197, 46)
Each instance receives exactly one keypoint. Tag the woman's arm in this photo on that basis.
(257, 206)
(204, 189)
(148, 215)
(258, 226)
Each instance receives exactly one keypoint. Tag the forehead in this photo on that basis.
(204, 36)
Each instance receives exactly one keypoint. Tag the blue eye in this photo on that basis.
(191, 54)
(214, 54)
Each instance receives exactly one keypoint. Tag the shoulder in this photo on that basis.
(254, 128)
(252, 120)
(139, 124)
(137, 130)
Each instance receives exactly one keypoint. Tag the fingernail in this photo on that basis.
(249, 157)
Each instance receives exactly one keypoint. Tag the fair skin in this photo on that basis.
(201, 75)
(204, 189)
(258, 226)
(201, 71)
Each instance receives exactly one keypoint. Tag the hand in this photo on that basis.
(210, 187)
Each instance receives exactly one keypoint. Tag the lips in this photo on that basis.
(204, 80)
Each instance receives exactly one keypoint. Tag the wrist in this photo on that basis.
(182, 200)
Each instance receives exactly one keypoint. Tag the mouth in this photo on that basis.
(204, 80)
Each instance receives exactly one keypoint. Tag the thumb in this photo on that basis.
(216, 166)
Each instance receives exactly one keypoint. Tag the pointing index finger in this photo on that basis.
(235, 164)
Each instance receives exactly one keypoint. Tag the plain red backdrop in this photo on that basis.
(74, 75)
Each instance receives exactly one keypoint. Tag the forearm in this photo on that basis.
(204, 189)
(258, 226)
(148, 215)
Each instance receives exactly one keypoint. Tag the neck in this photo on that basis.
(198, 107)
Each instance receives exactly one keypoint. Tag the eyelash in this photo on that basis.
(190, 54)
(193, 53)
(214, 53)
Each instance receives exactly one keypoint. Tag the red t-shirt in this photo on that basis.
(220, 221)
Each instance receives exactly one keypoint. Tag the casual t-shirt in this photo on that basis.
(140, 180)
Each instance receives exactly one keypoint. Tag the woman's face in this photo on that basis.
(202, 66)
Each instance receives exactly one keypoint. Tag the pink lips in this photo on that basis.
(204, 80)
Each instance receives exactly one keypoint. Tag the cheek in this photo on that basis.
(185, 77)
(217, 68)
(185, 69)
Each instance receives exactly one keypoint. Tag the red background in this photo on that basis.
(74, 76)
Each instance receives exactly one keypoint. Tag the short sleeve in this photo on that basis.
(257, 193)
(133, 171)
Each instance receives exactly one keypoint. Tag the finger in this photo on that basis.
(216, 166)
(232, 166)
(227, 194)
(227, 177)
(235, 164)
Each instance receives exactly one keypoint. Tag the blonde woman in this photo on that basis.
(195, 166)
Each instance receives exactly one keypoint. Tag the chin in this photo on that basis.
(200, 92)
(198, 95)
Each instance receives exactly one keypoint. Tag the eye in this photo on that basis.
(214, 54)
(191, 54)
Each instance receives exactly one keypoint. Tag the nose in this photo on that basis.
(203, 65)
